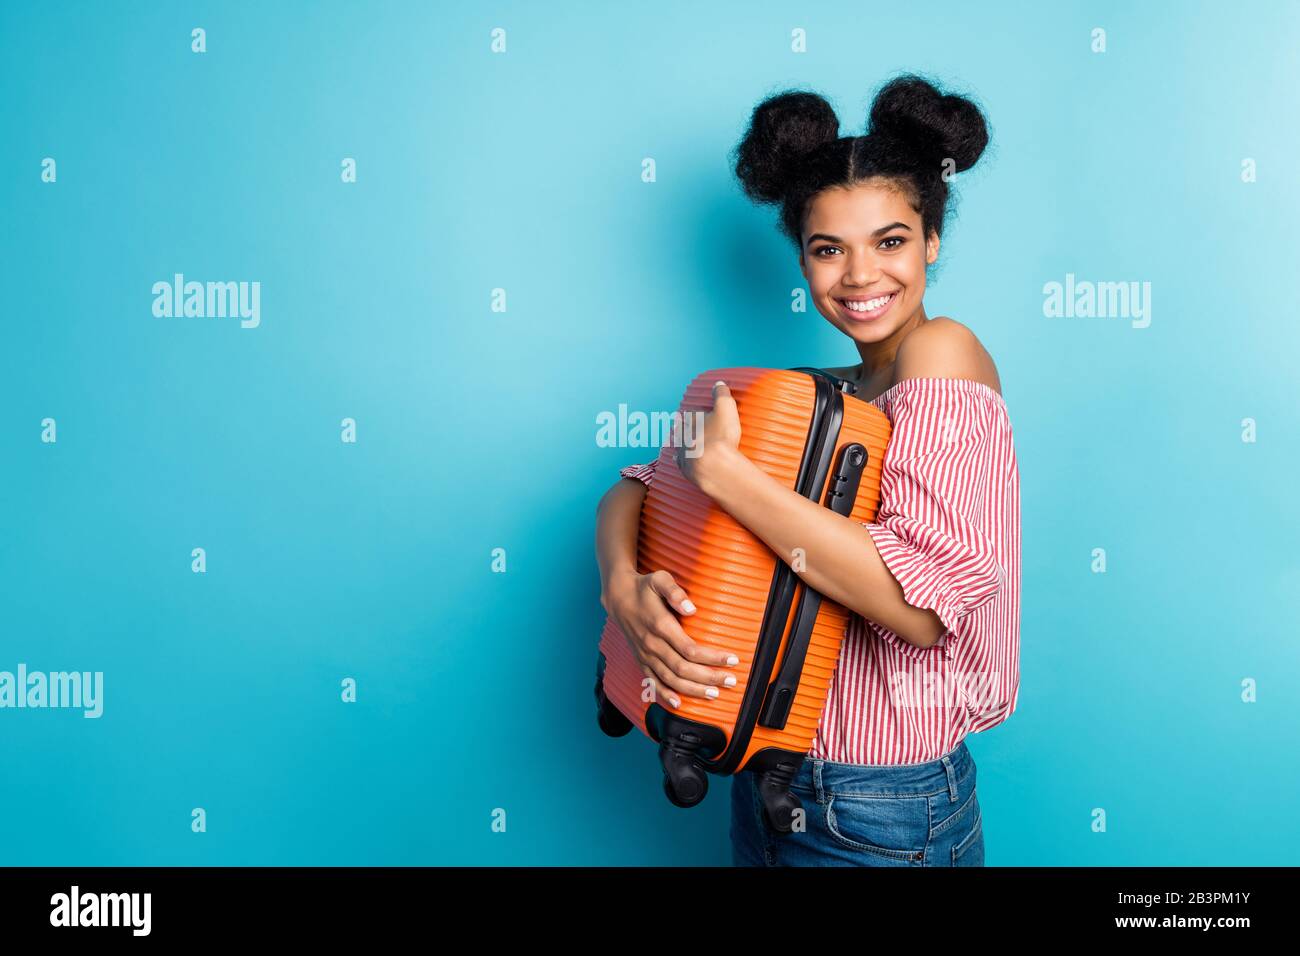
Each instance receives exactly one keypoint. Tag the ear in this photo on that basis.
(932, 248)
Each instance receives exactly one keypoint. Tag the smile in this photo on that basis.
(867, 309)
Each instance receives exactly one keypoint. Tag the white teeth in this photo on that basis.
(869, 306)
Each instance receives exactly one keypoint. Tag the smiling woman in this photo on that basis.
(931, 653)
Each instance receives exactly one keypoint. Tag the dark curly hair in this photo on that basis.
(792, 149)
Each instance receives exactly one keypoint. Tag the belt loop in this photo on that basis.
(817, 780)
(952, 778)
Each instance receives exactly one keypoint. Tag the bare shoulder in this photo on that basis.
(944, 348)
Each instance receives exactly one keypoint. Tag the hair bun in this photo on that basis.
(920, 119)
(782, 131)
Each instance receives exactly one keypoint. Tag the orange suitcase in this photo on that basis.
(804, 427)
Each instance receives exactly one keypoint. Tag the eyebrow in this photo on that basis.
(879, 232)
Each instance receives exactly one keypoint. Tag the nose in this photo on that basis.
(861, 269)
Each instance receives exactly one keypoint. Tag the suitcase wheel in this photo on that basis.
(685, 782)
(779, 804)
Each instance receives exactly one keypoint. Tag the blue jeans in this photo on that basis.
(921, 814)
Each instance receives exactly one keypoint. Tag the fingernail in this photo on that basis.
(730, 681)
(688, 607)
(676, 702)
(732, 660)
(711, 692)
(719, 382)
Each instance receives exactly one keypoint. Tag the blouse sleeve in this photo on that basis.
(938, 527)
(642, 473)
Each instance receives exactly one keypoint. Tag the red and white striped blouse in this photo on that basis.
(948, 529)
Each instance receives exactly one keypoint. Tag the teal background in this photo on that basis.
(476, 428)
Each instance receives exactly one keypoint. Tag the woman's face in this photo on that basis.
(861, 245)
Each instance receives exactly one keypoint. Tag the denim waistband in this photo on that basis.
(934, 776)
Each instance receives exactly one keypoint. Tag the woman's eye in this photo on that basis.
(897, 240)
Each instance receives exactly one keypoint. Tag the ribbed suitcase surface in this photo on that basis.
(732, 578)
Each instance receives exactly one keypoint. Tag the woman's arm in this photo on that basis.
(618, 519)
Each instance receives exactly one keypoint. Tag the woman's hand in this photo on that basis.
(716, 445)
(642, 605)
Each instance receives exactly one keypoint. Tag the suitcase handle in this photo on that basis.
(840, 496)
(843, 384)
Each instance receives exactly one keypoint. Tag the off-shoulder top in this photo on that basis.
(948, 529)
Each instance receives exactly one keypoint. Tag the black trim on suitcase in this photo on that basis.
(840, 496)
(828, 406)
